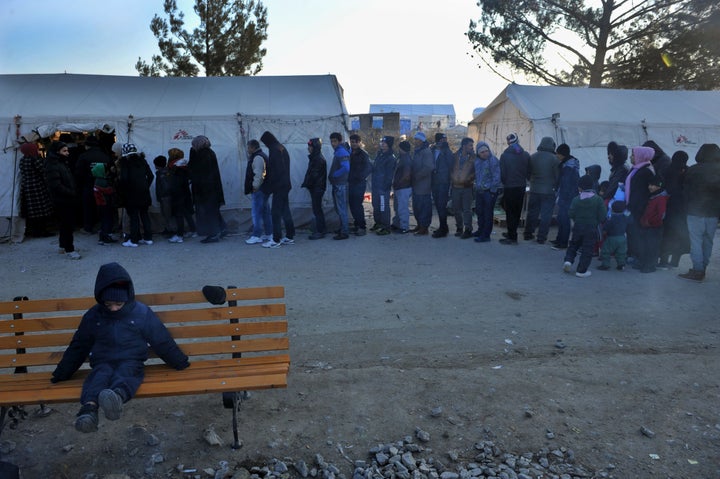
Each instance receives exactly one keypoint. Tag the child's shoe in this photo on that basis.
(111, 404)
(87, 418)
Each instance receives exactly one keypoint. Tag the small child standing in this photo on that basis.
(115, 334)
(587, 212)
(651, 227)
(615, 243)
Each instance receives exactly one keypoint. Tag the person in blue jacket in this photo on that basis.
(114, 334)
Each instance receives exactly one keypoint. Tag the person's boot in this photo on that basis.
(87, 418)
(466, 234)
(440, 232)
(111, 403)
(693, 275)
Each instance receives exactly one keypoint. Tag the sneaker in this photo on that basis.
(147, 242)
(508, 241)
(211, 239)
(466, 234)
(341, 236)
(558, 247)
(176, 239)
(105, 240)
(266, 237)
(481, 239)
(130, 244)
(361, 232)
(583, 275)
(73, 255)
(316, 236)
(271, 244)
(375, 227)
(402, 231)
(190, 234)
(287, 241)
(440, 233)
(567, 266)
(383, 232)
(253, 240)
(111, 404)
(87, 418)
(603, 267)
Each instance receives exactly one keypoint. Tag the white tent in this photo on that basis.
(162, 113)
(587, 119)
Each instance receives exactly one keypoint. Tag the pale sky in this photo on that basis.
(382, 51)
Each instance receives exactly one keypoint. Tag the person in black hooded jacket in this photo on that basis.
(316, 183)
(277, 183)
(114, 334)
(207, 189)
(617, 157)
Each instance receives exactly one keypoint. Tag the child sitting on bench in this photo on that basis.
(115, 334)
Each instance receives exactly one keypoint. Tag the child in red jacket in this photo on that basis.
(651, 227)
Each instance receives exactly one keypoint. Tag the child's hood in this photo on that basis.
(113, 273)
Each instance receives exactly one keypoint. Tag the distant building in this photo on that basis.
(419, 117)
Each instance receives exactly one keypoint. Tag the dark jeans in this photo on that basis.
(583, 240)
(316, 197)
(381, 207)
(650, 239)
(422, 209)
(280, 213)
(356, 196)
(512, 203)
(484, 209)
(440, 196)
(137, 215)
(65, 214)
(106, 221)
(539, 214)
(564, 225)
(124, 375)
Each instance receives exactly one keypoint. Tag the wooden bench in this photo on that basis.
(235, 347)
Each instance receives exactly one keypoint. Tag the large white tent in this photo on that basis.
(587, 119)
(162, 113)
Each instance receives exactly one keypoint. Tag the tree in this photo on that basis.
(609, 43)
(226, 43)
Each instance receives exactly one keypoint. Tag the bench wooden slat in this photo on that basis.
(157, 371)
(155, 299)
(51, 358)
(177, 332)
(28, 325)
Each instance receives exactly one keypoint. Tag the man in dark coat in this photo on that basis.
(114, 334)
(85, 181)
(207, 189)
(277, 183)
(316, 183)
(134, 183)
(61, 186)
(444, 162)
(514, 166)
(383, 172)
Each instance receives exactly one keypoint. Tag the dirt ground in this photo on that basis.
(385, 329)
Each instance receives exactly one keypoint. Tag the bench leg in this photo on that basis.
(234, 400)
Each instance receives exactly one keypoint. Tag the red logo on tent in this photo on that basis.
(182, 135)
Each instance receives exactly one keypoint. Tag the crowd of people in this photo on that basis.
(645, 215)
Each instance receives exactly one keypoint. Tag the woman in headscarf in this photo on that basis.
(207, 189)
(35, 204)
(637, 194)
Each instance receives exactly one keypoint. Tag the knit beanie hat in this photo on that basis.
(440, 136)
(115, 292)
(512, 138)
(129, 149)
(405, 145)
(56, 146)
(29, 149)
(563, 150)
(388, 140)
(117, 149)
(214, 294)
(586, 182)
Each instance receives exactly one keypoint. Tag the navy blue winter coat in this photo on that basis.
(124, 335)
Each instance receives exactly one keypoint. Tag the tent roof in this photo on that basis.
(92, 96)
(410, 109)
(593, 105)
